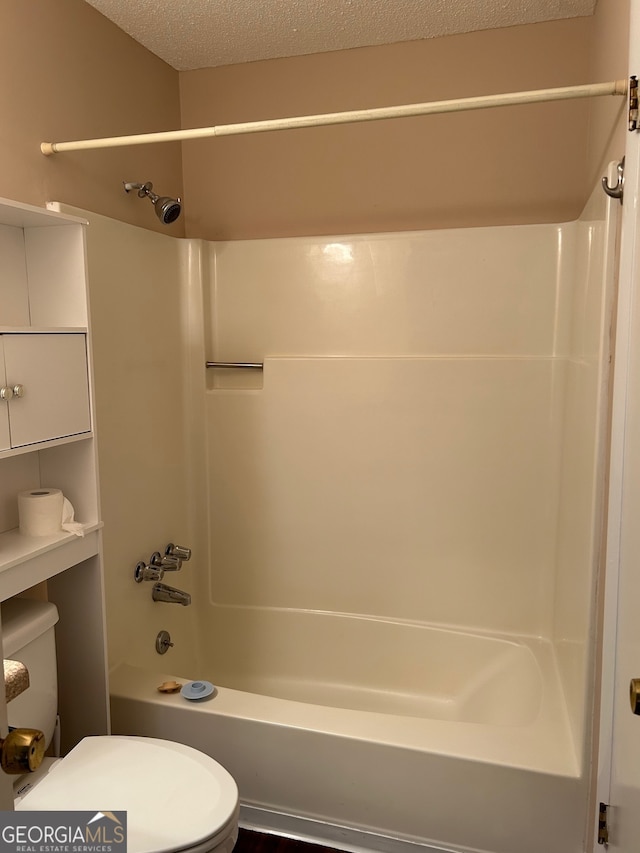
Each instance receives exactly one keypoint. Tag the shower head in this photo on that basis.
(167, 209)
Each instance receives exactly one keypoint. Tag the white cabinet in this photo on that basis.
(46, 388)
(46, 440)
(46, 437)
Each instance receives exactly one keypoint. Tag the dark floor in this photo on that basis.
(258, 842)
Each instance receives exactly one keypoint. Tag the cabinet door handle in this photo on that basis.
(6, 393)
(18, 390)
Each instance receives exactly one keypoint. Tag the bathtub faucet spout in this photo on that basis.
(162, 592)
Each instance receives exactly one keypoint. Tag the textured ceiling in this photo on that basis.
(191, 34)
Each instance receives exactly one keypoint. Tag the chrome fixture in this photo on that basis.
(147, 573)
(618, 190)
(163, 642)
(177, 552)
(162, 592)
(166, 563)
(236, 365)
(174, 555)
(167, 209)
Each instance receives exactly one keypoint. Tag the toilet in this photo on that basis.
(176, 798)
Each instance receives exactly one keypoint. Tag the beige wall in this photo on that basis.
(69, 74)
(524, 164)
(609, 60)
(76, 75)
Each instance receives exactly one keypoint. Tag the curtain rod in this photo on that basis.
(616, 87)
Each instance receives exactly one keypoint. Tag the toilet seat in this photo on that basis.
(176, 798)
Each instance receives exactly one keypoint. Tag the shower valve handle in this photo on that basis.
(177, 552)
(167, 563)
(147, 573)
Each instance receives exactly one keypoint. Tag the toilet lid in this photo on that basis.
(175, 797)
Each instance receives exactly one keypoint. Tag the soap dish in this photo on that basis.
(194, 690)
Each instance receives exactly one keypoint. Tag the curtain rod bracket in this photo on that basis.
(633, 103)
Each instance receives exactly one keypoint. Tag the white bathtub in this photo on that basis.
(460, 741)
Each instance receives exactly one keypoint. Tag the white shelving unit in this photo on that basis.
(47, 440)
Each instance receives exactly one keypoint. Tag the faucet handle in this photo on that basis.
(147, 573)
(178, 552)
(169, 564)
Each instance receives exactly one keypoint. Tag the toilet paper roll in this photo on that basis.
(40, 511)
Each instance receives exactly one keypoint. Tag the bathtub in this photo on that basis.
(458, 742)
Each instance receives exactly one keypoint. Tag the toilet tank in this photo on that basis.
(28, 636)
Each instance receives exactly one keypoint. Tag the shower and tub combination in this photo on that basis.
(389, 453)
(395, 511)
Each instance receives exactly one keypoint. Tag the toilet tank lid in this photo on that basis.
(24, 620)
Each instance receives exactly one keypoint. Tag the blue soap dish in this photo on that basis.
(194, 690)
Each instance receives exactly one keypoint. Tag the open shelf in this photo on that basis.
(28, 560)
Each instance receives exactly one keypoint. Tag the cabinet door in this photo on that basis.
(52, 369)
(5, 442)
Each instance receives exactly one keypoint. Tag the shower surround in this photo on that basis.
(396, 527)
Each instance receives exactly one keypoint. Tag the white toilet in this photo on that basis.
(176, 798)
